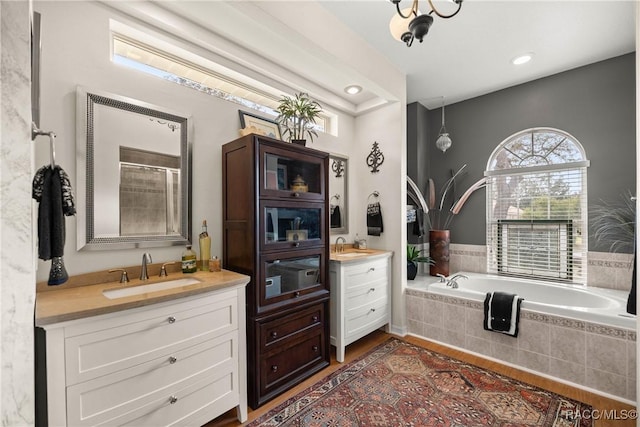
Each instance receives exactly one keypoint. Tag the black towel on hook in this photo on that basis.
(335, 218)
(418, 224)
(631, 299)
(52, 189)
(374, 219)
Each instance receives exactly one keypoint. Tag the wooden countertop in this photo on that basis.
(351, 254)
(64, 303)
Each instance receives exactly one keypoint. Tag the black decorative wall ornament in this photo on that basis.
(338, 167)
(375, 158)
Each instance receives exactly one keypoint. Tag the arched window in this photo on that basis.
(537, 206)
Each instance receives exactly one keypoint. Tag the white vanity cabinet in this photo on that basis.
(360, 298)
(180, 362)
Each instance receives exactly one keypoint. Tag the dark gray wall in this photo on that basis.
(594, 103)
(417, 145)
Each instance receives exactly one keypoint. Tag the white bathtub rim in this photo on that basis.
(529, 370)
(620, 320)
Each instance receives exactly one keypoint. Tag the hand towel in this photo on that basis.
(418, 225)
(374, 219)
(52, 189)
(502, 313)
(336, 218)
(631, 299)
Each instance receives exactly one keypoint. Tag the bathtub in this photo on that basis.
(591, 304)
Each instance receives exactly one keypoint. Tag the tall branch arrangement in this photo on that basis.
(437, 218)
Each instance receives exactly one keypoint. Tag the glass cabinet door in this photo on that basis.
(287, 174)
(287, 225)
(291, 277)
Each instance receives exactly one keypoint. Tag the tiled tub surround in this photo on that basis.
(592, 355)
(604, 269)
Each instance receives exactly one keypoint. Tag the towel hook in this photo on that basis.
(335, 196)
(35, 132)
(374, 194)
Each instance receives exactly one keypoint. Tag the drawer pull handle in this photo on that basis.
(173, 359)
(315, 348)
(274, 368)
(372, 289)
(296, 194)
(372, 310)
(296, 294)
(171, 319)
(173, 400)
(372, 269)
(315, 319)
(296, 244)
(274, 334)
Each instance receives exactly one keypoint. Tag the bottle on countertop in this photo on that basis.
(205, 247)
(189, 260)
(214, 264)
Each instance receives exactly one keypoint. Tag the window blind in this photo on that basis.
(536, 223)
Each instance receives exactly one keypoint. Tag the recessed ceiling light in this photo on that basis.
(353, 89)
(522, 59)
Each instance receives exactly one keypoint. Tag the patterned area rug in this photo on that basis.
(400, 384)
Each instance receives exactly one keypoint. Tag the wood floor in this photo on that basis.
(365, 344)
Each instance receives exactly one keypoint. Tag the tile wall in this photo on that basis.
(604, 269)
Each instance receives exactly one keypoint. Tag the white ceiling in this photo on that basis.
(470, 54)
(461, 58)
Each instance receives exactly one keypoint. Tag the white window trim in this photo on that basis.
(580, 245)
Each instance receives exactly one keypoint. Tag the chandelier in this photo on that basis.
(410, 24)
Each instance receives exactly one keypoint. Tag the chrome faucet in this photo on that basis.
(146, 258)
(453, 280)
(442, 278)
(341, 244)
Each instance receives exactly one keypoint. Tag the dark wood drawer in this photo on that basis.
(292, 361)
(278, 332)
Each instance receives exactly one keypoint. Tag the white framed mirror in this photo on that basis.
(133, 165)
(338, 194)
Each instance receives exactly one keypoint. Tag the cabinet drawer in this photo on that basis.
(357, 296)
(292, 360)
(147, 336)
(103, 399)
(276, 332)
(361, 318)
(365, 273)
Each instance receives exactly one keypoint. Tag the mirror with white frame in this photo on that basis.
(133, 173)
(338, 197)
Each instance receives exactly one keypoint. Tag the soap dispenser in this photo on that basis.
(189, 260)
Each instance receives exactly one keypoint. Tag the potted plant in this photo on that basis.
(614, 223)
(297, 115)
(413, 258)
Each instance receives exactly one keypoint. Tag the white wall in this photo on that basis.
(76, 52)
(387, 127)
(17, 278)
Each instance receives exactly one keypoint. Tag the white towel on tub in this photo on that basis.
(502, 313)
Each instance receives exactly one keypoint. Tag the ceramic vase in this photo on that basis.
(412, 270)
(439, 252)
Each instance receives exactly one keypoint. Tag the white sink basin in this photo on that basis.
(350, 254)
(152, 287)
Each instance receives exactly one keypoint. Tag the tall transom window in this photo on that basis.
(537, 207)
